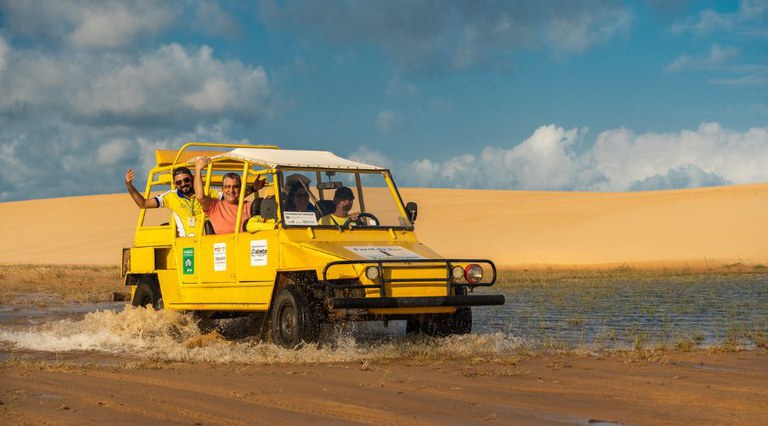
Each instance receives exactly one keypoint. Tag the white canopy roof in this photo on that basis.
(294, 158)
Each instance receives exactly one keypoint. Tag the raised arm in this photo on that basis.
(257, 185)
(139, 199)
(205, 200)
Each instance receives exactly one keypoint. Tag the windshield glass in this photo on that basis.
(331, 198)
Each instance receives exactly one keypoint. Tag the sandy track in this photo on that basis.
(689, 388)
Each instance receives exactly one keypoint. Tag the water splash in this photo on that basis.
(172, 336)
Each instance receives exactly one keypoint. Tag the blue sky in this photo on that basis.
(525, 95)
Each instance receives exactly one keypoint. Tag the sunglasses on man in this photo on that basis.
(183, 181)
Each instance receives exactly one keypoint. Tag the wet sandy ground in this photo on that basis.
(688, 388)
(105, 362)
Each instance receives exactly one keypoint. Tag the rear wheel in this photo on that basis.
(148, 294)
(295, 320)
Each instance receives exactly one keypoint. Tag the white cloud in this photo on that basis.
(114, 24)
(618, 160)
(63, 114)
(85, 23)
(387, 121)
(61, 158)
(3, 53)
(586, 28)
(434, 35)
(710, 21)
(214, 95)
(168, 85)
(112, 152)
(369, 156)
(625, 158)
(716, 57)
(687, 176)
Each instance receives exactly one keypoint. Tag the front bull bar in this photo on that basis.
(412, 302)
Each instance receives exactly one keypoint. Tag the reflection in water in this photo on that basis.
(586, 314)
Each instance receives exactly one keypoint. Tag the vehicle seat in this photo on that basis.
(208, 227)
(268, 208)
(325, 207)
(256, 207)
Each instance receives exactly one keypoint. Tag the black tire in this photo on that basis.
(148, 294)
(442, 325)
(204, 322)
(295, 321)
(460, 322)
(412, 326)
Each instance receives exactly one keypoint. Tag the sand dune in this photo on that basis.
(694, 227)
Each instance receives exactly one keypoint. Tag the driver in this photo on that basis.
(343, 199)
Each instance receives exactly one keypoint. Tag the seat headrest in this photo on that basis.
(268, 208)
(325, 207)
(256, 207)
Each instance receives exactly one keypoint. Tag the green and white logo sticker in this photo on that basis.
(188, 260)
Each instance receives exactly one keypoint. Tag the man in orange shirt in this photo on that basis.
(223, 213)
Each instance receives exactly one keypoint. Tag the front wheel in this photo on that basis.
(442, 325)
(148, 294)
(294, 320)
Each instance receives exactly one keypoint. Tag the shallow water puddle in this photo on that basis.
(583, 315)
(687, 311)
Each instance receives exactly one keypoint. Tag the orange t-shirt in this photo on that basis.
(223, 215)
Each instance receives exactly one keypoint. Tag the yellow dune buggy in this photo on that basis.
(287, 267)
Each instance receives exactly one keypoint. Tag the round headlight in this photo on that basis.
(457, 273)
(473, 273)
(372, 273)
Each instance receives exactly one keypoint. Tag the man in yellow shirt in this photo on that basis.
(187, 212)
(343, 199)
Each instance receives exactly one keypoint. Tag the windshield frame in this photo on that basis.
(357, 188)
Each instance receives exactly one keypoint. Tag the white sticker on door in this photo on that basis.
(259, 254)
(220, 256)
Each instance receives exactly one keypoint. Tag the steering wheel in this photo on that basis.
(360, 222)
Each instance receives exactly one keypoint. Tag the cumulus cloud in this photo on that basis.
(84, 23)
(434, 34)
(63, 158)
(115, 24)
(112, 152)
(3, 53)
(387, 121)
(687, 176)
(73, 112)
(168, 85)
(617, 160)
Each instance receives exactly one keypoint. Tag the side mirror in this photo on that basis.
(413, 211)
